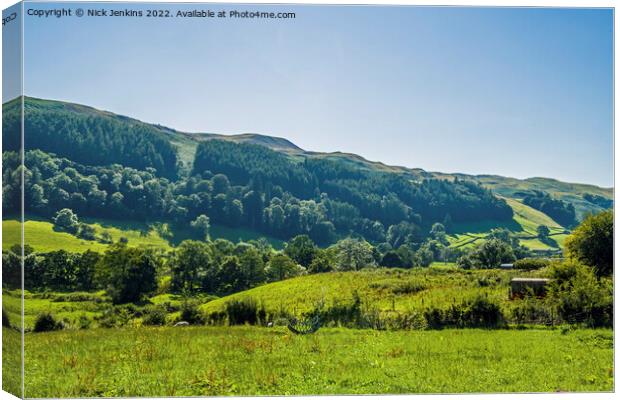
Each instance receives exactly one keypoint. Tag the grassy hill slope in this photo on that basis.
(523, 225)
(385, 290)
(43, 237)
(569, 192)
(187, 142)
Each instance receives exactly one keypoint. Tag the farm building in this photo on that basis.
(519, 287)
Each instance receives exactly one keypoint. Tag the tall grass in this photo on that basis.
(246, 360)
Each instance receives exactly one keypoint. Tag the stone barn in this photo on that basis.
(519, 287)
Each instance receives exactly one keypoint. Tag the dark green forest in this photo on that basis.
(560, 211)
(90, 137)
(338, 204)
(103, 165)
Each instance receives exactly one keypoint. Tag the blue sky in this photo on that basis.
(514, 92)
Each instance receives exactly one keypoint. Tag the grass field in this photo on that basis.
(570, 192)
(384, 290)
(388, 291)
(42, 236)
(263, 361)
(90, 305)
(11, 361)
(523, 225)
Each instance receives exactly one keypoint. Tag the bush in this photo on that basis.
(563, 272)
(191, 313)
(477, 313)
(67, 220)
(106, 238)
(155, 316)
(86, 232)
(392, 259)
(529, 310)
(343, 313)
(412, 321)
(75, 297)
(244, 311)
(592, 242)
(487, 281)
(490, 254)
(117, 316)
(483, 312)
(466, 261)
(408, 288)
(322, 262)
(580, 297)
(216, 318)
(530, 264)
(84, 322)
(352, 314)
(46, 322)
(5, 319)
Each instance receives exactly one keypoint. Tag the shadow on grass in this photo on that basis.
(549, 241)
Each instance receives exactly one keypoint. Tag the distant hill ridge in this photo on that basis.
(186, 144)
(272, 142)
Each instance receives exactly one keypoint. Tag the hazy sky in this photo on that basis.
(515, 92)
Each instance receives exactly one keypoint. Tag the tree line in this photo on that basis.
(395, 211)
(560, 211)
(386, 197)
(102, 165)
(217, 267)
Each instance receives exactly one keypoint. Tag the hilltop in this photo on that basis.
(505, 186)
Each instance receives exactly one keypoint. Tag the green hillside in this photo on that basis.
(43, 237)
(569, 192)
(523, 225)
(88, 136)
(279, 192)
(186, 144)
(385, 290)
(390, 292)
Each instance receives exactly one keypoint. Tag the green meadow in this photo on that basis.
(523, 224)
(216, 361)
(388, 291)
(43, 237)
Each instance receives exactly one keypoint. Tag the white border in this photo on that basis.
(480, 3)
